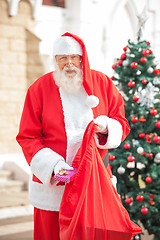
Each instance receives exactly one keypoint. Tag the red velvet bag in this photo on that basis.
(91, 208)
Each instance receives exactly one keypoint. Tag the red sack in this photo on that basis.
(91, 208)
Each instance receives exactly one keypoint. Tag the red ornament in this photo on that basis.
(143, 59)
(119, 62)
(125, 48)
(144, 210)
(153, 111)
(113, 66)
(134, 119)
(144, 81)
(128, 200)
(144, 153)
(148, 137)
(142, 119)
(150, 155)
(142, 135)
(145, 52)
(123, 56)
(156, 138)
(148, 42)
(140, 198)
(131, 83)
(112, 157)
(152, 202)
(112, 78)
(151, 196)
(148, 179)
(156, 71)
(131, 158)
(150, 51)
(134, 65)
(135, 98)
(127, 145)
(157, 124)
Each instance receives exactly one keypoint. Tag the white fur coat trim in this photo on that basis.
(46, 197)
(77, 115)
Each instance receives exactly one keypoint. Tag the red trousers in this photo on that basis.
(46, 225)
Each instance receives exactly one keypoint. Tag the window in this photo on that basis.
(57, 3)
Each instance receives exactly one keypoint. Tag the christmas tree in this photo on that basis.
(136, 163)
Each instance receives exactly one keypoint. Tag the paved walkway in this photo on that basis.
(18, 228)
(16, 216)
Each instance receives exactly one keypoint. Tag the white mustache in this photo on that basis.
(67, 83)
(73, 68)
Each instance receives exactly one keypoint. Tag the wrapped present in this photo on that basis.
(66, 178)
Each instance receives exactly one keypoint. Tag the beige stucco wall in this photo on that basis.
(20, 65)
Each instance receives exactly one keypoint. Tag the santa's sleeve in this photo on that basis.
(30, 137)
(116, 123)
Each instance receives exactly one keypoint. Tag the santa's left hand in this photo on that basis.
(101, 122)
(114, 131)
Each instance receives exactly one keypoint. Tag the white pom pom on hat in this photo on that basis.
(92, 101)
(66, 46)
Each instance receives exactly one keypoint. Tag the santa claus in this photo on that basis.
(57, 110)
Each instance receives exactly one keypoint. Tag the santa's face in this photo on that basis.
(69, 63)
(68, 74)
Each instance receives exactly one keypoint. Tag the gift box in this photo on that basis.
(68, 177)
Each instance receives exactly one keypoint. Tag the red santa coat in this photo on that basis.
(53, 123)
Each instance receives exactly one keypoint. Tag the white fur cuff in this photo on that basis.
(43, 163)
(114, 181)
(114, 134)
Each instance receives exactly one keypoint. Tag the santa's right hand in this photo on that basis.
(61, 165)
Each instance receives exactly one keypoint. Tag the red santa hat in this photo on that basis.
(87, 78)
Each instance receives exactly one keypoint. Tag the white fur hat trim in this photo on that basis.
(66, 46)
(92, 101)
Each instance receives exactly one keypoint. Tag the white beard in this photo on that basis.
(69, 84)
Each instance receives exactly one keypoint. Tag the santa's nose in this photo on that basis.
(69, 63)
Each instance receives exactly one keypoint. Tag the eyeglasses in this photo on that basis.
(64, 59)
